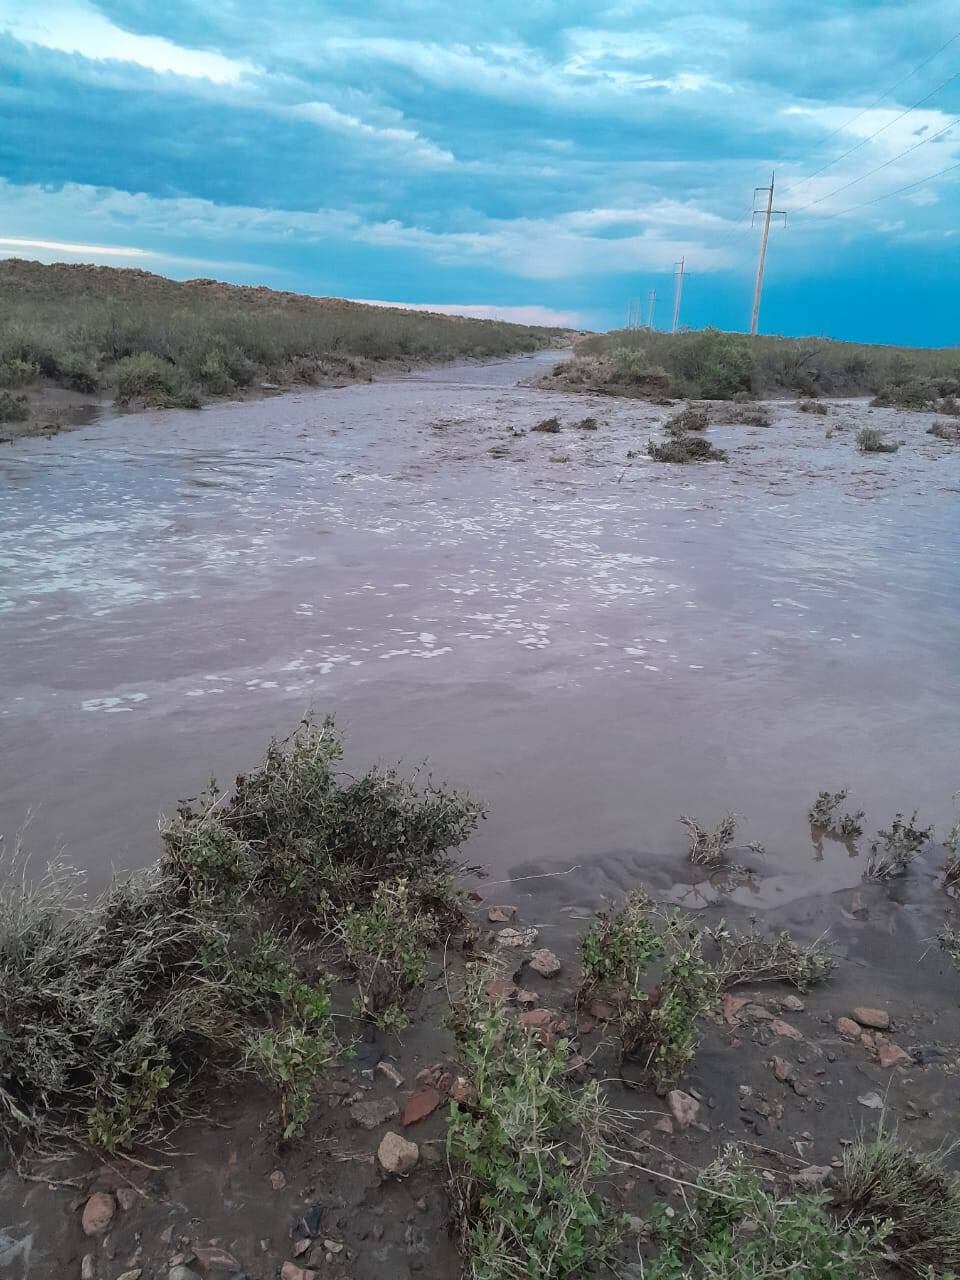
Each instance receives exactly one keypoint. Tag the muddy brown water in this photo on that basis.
(593, 643)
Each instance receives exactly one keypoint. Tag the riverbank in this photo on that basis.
(75, 337)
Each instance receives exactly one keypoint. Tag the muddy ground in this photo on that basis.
(592, 642)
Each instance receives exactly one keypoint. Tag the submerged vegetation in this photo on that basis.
(709, 364)
(869, 440)
(152, 341)
(686, 448)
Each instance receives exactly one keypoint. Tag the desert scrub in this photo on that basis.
(146, 379)
(617, 950)
(526, 1156)
(709, 848)
(737, 1227)
(13, 408)
(322, 840)
(912, 1197)
(949, 431)
(15, 372)
(551, 426)
(387, 945)
(744, 415)
(869, 440)
(587, 424)
(752, 957)
(812, 406)
(686, 449)
(76, 373)
(823, 815)
(693, 418)
(893, 850)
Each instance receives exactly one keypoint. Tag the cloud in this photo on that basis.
(400, 139)
(109, 255)
(76, 28)
(548, 316)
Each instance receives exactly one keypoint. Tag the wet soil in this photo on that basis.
(592, 642)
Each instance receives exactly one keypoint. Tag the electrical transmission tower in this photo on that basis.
(767, 213)
(651, 304)
(678, 274)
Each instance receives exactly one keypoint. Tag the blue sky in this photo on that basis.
(545, 160)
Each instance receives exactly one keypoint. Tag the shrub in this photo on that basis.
(527, 1155)
(147, 378)
(13, 408)
(709, 848)
(823, 815)
(910, 1197)
(949, 431)
(76, 373)
(549, 425)
(737, 1227)
(719, 365)
(617, 950)
(686, 449)
(893, 850)
(386, 943)
(812, 406)
(693, 418)
(751, 957)
(15, 372)
(587, 424)
(869, 440)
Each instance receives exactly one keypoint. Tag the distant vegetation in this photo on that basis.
(151, 341)
(712, 365)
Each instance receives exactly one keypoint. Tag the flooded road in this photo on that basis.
(592, 643)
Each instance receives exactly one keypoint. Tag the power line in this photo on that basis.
(870, 172)
(898, 192)
(883, 128)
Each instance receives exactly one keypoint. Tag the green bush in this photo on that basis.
(13, 408)
(146, 377)
(76, 373)
(869, 440)
(686, 449)
(15, 372)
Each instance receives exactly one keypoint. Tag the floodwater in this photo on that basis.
(592, 643)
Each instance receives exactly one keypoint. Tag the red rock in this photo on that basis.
(878, 1019)
(501, 915)
(848, 1028)
(891, 1055)
(501, 989)
(546, 1024)
(730, 1007)
(664, 1125)
(98, 1213)
(278, 1179)
(419, 1105)
(868, 1040)
(462, 1090)
(290, 1271)
(683, 1108)
(782, 1069)
(602, 1011)
(527, 998)
(781, 1028)
(792, 1004)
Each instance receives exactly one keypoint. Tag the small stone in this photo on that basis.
(211, 1256)
(419, 1105)
(848, 1028)
(781, 1028)
(891, 1055)
(181, 1272)
(871, 1100)
(501, 989)
(397, 1155)
(683, 1108)
(463, 1092)
(374, 1112)
(127, 1197)
(333, 1246)
(730, 1007)
(527, 998)
(517, 937)
(98, 1213)
(782, 1069)
(814, 1175)
(793, 1004)
(301, 1247)
(602, 1011)
(390, 1072)
(88, 1267)
(663, 1125)
(278, 1179)
(290, 1271)
(545, 963)
(133, 1274)
(544, 1023)
(878, 1019)
(501, 914)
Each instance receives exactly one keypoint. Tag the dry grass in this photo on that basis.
(709, 848)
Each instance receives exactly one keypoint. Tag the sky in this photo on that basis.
(548, 161)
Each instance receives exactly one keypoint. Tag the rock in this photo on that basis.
(517, 937)
(544, 1023)
(877, 1019)
(602, 1011)
(731, 1006)
(891, 1055)
(419, 1105)
(396, 1155)
(127, 1197)
(793, 1004)
(848, 1028)
(871, 1100)
(781, 1028)
(782, 1069)
(290, 1271)
(683, 1108)
(663, 1125)
(212, 1256)
(181, 1272)
(545, 963)
(501, 989)
(301, 1247)
(527, 999)
(388, 1070)
(278, 1179)
(134, 1274)
(374, 1112)
(98, 1213)
(814, 1175)
(463, 1092)
(501, 915)
(88, 1267)
(333, 1246)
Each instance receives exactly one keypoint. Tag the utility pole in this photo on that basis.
(767, 213)
(651, 303)
(677, 292)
